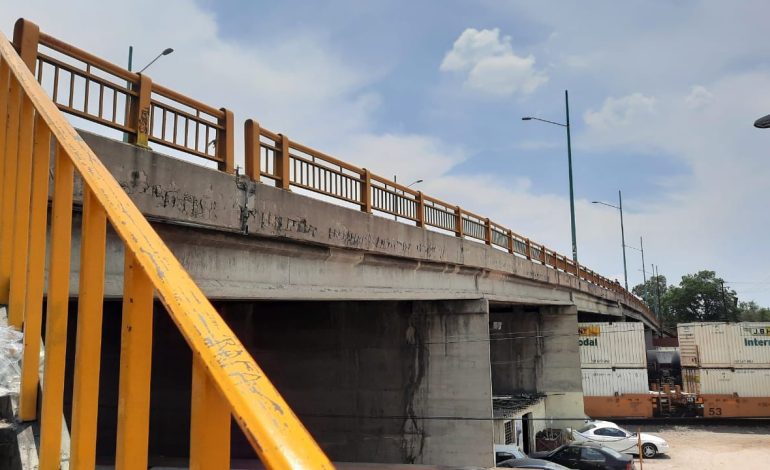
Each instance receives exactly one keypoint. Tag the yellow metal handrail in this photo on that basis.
(226, 379)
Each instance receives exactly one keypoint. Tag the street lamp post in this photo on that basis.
(569, 165)
(129, 85)
(641, 244)
(398, 201)
(619, 207)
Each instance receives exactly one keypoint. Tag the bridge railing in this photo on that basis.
(226, 381)
(91, 88)
(94, 89)
(291, 164)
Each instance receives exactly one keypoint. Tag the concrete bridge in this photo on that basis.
(387, 339)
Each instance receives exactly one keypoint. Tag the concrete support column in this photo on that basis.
(455, 389)
(560, 378)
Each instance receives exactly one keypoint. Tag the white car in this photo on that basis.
(611, 435)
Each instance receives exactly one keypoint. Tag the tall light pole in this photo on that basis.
(129, 85)
(619, 207)
(398, 201)
(569, 165)
(641, 244)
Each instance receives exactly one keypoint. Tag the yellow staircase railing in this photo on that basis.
(226, 379)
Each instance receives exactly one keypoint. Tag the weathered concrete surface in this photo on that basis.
(383, 382)
(536, 350)
(260, 242)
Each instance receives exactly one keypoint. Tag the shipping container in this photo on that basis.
(608, 382)
(608, 345)
(737, 382)
(725, 345)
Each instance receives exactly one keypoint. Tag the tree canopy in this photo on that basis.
(702, 296)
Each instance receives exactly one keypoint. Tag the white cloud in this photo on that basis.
(621, 112)
(699, 96)
(491, 65)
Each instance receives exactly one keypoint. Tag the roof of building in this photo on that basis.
(507, 406)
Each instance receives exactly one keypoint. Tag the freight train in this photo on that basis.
(718, 370)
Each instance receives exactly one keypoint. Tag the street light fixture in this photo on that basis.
(622, 231)
(763, 122)
(569, 164)
(166, 51)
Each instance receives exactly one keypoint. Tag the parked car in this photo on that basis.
(505, 452)
(611, 435)
(531, 463)
(587, 456)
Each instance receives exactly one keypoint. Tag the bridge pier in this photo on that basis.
(534, 351)
(384, 382)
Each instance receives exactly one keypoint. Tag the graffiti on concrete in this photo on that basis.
(194, 206)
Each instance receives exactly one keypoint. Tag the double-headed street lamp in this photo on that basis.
(569, 164)
(619, 207)
(763, 122)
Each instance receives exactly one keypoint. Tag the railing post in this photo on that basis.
(487, 231)
(10, 147)
(26, 36)
(458, 222)
(209, 422)
(139, 112)
(33, 315)
(88, 342)
(20, 221)
(57, 314)
(226, 142)
(529, 249)
(282, 171)
(511, 247)
(135, 368)
(252, 149)
(366, 191)
(420, 209)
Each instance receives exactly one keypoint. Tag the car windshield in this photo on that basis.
(586, 428)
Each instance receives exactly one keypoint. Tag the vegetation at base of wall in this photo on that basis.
(699, 297)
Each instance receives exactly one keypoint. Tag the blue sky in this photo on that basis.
(662, 96)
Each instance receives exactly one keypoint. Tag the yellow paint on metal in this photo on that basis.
(34, 302)
(135, 368)
(9, 190)
(85, 389)
(57, 303)
(20, 252)
(209, 423)
(271, 427)
(3, 120)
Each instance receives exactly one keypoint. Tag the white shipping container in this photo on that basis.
(608, 345)
(716, 344)
(740, 382)
(608, 382)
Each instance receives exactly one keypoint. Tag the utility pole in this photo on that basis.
(656, 273)
(623, 238)
(571, 189)
(644, 273)
(724, 302)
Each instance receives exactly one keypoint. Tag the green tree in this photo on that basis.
(751, 311)
(653, 292)
(702, 297)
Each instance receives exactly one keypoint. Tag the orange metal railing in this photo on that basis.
(226, 379)
(291, 164)
(91, 88)
(94, 89)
